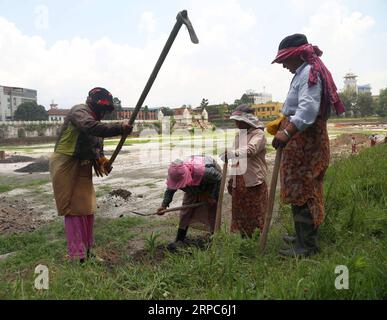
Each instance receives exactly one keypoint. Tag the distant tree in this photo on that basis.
(167, 111)
(30, 111)
(203, 104)
(222, 110)
(117, 108)
(146, 112)
(381, 108)
(365, 104)
(246, 99)
(349, 99)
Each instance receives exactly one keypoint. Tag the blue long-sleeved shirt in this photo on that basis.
(302, 104)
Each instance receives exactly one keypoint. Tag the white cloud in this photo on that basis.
(227, 61)
(342, 35)
(147, 22)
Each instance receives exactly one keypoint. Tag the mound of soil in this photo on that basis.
(17, 217)
(121, 193)
(343, 143)
(346, 139)
(41, 165)
(16, 159)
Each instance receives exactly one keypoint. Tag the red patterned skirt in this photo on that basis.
(249, 206)
(305, 160)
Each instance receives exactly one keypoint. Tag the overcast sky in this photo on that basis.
(64, 48)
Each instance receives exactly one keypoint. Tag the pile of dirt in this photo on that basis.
(121, 193)
(17, 216)
(343, 144)
(16, 159)
(346, 139)
(40, 165)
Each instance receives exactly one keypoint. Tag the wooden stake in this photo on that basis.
(273, 187)
(218, 219)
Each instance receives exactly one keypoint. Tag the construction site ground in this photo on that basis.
(27, 202)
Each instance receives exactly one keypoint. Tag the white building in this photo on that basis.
(260, 97)
(364, 89)
(11, 98)
(186, 118)
(56, 114)
(350, 84)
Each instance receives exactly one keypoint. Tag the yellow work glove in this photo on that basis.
(101, 167)
(273, 126)
(104, 163)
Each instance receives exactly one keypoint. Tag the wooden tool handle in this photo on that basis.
(194, 205)
(273, 187)
(218, 219)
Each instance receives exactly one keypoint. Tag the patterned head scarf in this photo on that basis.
(297, 45)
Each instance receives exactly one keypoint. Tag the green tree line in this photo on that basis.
(363, 104)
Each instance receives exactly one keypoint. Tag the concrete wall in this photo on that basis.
(29, 129)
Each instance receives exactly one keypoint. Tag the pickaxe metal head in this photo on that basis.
(183, 17)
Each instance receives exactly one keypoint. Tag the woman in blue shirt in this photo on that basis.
(304, 138)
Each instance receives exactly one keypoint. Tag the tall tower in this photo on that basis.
(53, 105)
(350, 82)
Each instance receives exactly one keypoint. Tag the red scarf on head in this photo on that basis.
(310, 54)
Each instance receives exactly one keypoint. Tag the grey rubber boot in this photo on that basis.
(306, 232)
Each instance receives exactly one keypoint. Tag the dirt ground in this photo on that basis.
(17, 216)
(137, 183)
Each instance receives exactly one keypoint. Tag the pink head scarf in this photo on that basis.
(188, 173)
(311, 54)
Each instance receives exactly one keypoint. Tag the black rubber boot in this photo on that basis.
(179, 242)
(306, 242)
(288, 239)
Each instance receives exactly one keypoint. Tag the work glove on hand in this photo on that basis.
(161, 211)
(273, 126)
(101, 167)
(126, 128)
(280, 140)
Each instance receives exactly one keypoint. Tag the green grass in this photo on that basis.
(5, 187)
(353, 234)
(368, 119)
(27, 149)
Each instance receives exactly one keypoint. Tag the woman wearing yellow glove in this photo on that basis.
(80, 147)
(304, 138)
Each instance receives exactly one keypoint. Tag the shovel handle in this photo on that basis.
(273, 187)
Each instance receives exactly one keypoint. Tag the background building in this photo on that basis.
(267, 110)
(56, 114)
(364, 89)
(11, 98)
(150, 114)
(350, 84)
(259, 97)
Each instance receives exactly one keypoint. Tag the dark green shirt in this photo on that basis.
(210, 183)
